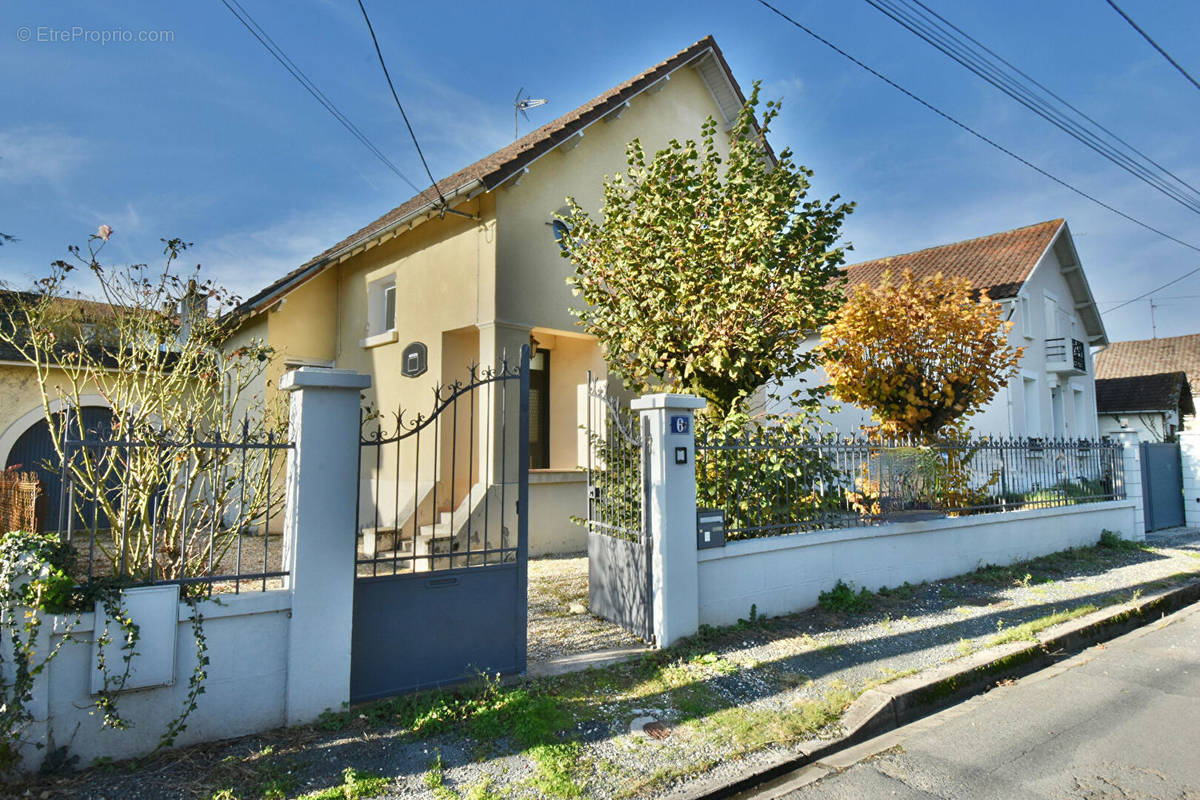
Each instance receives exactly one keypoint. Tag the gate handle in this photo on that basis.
(440, 583)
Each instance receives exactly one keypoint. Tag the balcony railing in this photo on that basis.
(1066, 355)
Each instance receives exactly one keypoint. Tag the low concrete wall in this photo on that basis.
(247, 639)
(782, 574)
(554, 497)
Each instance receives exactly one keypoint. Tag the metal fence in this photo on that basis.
(439, 490)
(616, 480)
(771, 481)
(152, 507)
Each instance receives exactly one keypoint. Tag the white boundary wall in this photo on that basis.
(783, 574)
(244, 692)
(278, 657)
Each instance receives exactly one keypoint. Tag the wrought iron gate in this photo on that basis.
(1162, 485)
(442, 536)
(619, 552)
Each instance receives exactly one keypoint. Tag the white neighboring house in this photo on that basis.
(1156, 407)
(1034, 272)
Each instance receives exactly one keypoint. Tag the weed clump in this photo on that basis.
(843, 599)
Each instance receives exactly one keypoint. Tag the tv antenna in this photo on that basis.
(521, 105)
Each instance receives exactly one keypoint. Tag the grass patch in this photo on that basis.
(1114, 541)
(355, 785)
(1027, 631)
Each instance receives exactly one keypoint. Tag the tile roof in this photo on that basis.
(1152, 356)
(1000, 262)
(1165, 391)
(495, 169)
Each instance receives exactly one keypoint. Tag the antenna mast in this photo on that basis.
(521, 105)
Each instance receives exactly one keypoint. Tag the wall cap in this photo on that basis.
(649, 402)
(747, 547)
(320, 378)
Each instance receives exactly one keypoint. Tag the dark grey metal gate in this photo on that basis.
(1162, 485)
(620, 571)
(442, 536)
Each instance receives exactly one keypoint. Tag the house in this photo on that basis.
(1152, 357)
(1035, 273)
(485, 277)
(1154, 406)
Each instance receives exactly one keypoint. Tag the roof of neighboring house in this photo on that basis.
(1152, 356)
(999, 263)
(1165, 391)
(493, 170)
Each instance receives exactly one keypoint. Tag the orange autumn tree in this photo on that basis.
(922, 356)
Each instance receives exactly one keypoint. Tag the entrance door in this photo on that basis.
(441, 569)
(1162, 485)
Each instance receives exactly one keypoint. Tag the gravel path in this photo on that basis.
(726, 699)
(556, 584)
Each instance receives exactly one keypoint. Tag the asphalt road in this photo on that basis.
(1121, 720)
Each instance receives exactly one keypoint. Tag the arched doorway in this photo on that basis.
(34, 452)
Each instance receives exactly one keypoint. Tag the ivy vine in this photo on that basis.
(35, 582)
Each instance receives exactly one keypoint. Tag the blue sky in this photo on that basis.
(204, 135)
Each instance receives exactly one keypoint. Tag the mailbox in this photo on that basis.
(414, 360)
(710, 528)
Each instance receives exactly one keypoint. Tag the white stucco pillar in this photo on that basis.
(1133, 482)
(319, 536)
(1189, 452)
(671, 513)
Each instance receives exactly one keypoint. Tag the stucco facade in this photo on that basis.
(476, 285)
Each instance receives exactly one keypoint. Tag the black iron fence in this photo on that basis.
(145, 507)
(772, 482)
(616, 479)
(440, 490)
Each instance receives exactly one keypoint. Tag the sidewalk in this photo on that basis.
(720, 704)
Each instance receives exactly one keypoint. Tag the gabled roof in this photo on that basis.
(999, 263)
(1152, 356)
(1166, 392)
(492, 171)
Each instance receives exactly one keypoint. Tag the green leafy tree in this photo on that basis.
(703, 274)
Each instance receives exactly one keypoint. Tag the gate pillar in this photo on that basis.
(670, 511)
(1189, 449)
(319, 536)
(1134, 490)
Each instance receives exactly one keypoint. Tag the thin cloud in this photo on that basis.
(39, 154)
(245, 261)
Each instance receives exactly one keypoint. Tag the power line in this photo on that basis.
(277, 52)
(974, 132)
(1152, 291)
(924, 23)
(1154, 44)
(413, 136)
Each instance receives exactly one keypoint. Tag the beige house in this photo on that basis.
(485, 277)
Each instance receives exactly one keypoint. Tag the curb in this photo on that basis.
(906, 700)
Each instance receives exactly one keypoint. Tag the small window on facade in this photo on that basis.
(389, 308)
(381, 306)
